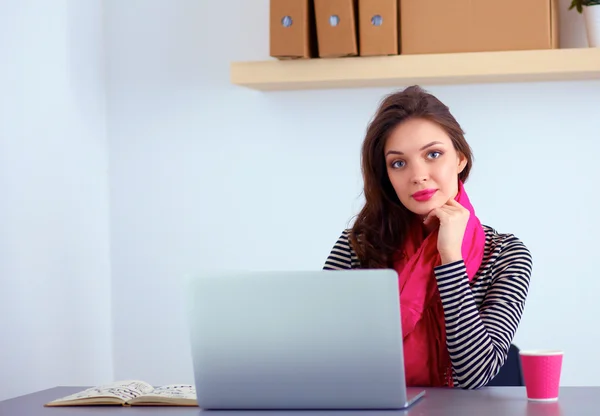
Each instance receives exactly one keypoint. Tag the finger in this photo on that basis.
(451, 212)
(454, 203)
(427, 219)
(430, 217)
(446, 214)
(446, 209)
(436, 214)
(456, 207)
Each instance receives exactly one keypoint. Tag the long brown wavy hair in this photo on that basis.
(381, 225)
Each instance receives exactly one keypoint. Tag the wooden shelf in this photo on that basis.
(434, 69)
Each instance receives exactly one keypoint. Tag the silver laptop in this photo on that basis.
(297, 340)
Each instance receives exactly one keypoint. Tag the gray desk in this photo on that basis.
(491, 401)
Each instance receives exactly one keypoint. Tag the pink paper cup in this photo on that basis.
(541, 372)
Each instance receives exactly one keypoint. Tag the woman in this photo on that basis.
(462, 284)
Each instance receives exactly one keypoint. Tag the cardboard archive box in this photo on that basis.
(446, 26)
(378, 24)
(337, 28)
(292, 29)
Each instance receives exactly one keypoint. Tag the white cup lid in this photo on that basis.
(541, 352)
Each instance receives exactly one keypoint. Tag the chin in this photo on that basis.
(420, 208)
(423, 208)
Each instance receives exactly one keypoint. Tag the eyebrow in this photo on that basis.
(396, 152)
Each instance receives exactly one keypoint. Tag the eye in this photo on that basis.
(434, 154)
(397, 164)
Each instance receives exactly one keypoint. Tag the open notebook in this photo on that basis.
(131, 393)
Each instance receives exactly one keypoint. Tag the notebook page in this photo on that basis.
(174, 391)
(124, 390)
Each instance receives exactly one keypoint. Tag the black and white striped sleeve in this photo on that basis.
(341, 254)
(478, 339)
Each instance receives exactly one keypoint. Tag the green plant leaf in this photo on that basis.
(580, 4)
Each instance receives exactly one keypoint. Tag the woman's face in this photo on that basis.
(422, 165)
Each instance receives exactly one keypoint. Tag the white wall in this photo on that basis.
(54, 255)
(205, 174)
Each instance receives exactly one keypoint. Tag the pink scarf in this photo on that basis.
(427, 362)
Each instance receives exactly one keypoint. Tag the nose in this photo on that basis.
(418, 174)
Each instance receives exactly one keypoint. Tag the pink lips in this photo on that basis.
(424, 195)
